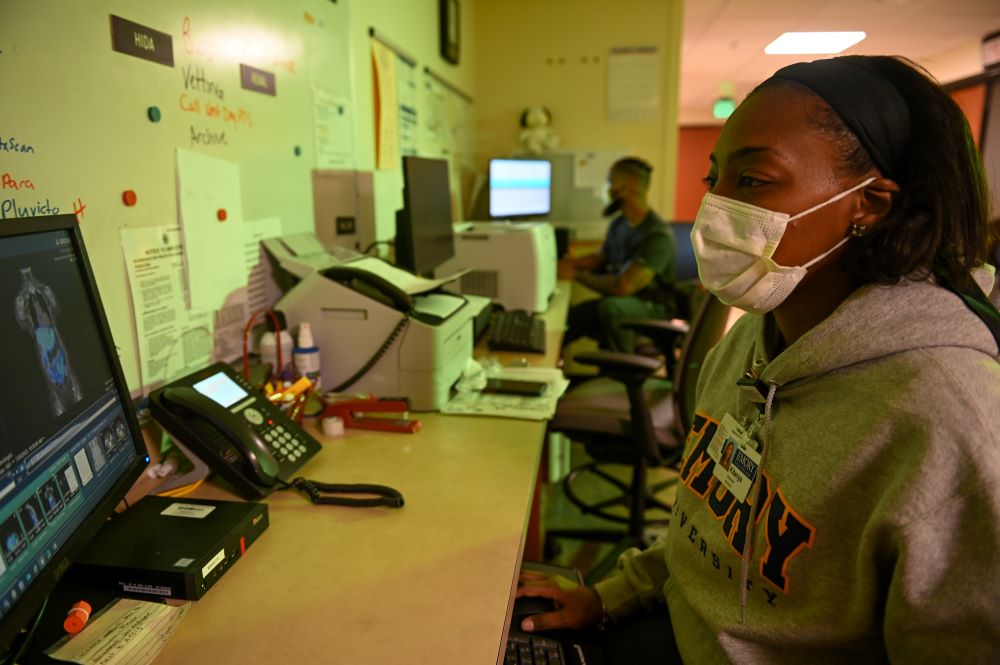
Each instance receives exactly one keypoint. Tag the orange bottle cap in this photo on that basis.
(77, 617)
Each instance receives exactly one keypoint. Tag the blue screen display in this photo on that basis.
(520, 187)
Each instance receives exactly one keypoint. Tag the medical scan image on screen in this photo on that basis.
(37, 312)
(54, 355)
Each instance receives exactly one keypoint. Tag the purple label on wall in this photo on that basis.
(142, 42)
(257, 80)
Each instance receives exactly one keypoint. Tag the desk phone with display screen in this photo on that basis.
(232, 427)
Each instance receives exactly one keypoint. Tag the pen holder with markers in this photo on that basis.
(291, 397)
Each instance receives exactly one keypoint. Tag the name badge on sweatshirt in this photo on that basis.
(736, 458)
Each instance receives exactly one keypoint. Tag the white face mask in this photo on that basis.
(733, 244)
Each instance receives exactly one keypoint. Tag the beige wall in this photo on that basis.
(530, 52)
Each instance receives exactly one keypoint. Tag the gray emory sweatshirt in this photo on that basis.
(877, 530)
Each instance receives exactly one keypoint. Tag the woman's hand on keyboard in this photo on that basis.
(576, 606)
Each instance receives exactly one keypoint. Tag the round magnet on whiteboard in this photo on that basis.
(129, 198)
(153, 113)
(333, 427)
(220, 214)
(298, 151)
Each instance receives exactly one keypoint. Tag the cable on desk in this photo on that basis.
(26, 636)
(375, 358)
(318, 494)
(246, 340)
(183, 490)
(388, 243)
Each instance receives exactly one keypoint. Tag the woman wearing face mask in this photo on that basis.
(860, 518)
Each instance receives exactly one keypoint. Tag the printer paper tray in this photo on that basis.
(441, 305)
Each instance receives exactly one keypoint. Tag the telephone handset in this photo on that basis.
(260, 462)
(234, 429)
(379, 288)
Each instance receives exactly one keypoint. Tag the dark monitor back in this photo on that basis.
(70, 445)
(687, 268)
(424, 235)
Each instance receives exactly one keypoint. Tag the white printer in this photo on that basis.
(389, 328)
(513, 263)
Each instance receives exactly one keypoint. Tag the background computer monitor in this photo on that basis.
(70, 445)
(520, 188)
(424, 236)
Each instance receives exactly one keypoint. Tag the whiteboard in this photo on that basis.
(75, 132)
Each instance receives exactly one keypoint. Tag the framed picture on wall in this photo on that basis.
(451, 22)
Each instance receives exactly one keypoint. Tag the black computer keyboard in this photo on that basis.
(517, 330)
(525, 649)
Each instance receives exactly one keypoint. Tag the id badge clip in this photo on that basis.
(754, 389)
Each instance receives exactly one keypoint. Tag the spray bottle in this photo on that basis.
(306, 355)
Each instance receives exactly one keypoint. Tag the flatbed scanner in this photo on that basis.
(382, 329)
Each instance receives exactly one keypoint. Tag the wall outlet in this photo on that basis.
(345, 226)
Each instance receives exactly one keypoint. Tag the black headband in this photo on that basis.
(868, 103)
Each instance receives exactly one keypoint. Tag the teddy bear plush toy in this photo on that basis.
(536, 131)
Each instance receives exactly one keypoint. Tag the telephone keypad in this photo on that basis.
(283, 442)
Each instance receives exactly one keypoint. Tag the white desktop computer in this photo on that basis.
(512, 263)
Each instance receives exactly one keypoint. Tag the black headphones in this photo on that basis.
(524, 115)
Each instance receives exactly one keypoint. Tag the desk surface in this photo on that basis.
(430, 583)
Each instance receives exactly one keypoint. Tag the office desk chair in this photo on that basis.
(687, 290)
(642, 426)
(663, 339)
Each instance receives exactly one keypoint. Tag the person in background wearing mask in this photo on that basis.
(848, 214)
(634, 269)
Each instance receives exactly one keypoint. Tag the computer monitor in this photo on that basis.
(70, 446)
(520, 188)
(424, 236)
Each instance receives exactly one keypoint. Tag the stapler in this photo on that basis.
(374, 414)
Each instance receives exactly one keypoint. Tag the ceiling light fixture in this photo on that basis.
(813, 42)
(723, 107)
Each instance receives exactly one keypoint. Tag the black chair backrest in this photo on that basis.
(710, 323)
(684, 261)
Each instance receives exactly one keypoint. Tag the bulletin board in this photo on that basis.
(82, 124)
(419, 112)
(448, 131)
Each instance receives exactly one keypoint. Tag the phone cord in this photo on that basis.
(375, 358)
(384, 496)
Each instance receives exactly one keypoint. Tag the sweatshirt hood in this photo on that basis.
(921, 315)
